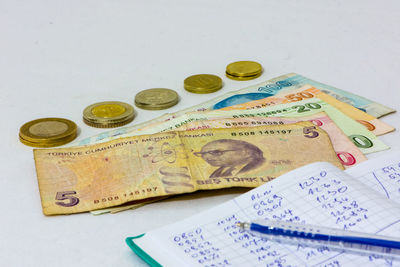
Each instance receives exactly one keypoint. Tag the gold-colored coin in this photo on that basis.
(108, 114)
(156, 98)
(203, 83)
(242, 78)
(48, 132)
(46, 144)
(248, 69)
(108, 110)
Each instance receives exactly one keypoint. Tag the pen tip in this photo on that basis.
(242, 225)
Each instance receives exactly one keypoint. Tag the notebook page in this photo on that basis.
(318, 194)
(382, 174)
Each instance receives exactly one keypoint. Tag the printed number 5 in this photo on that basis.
(65, 195)
(310, 132)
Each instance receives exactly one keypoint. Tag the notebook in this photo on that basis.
(364, 198)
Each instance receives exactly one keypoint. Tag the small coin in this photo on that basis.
(248, 69)
(156, 98)
(108, 114)
(203, 83)
(242, 78)
(48, 132)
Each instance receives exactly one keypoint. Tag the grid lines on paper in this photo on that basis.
(318, 197)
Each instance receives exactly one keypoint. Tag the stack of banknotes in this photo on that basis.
(241, 139)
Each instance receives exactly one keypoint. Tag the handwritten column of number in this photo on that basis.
(200, 248)
(331, 194)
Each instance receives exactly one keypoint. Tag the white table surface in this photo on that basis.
(57, 57)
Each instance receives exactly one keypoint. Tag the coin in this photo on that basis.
(156, 98)
(48, 132)
(242, 78)
(243, 70)
(108, 114)
(203, 83)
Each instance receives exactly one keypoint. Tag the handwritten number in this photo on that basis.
(65, 196)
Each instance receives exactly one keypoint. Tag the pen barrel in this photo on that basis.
(334, 238)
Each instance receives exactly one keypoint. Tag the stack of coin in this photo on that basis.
(156, 99)
(108, 114)
(48, 132)
(243, 70)
(203, 83)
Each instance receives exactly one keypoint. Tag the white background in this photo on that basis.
(57, 57)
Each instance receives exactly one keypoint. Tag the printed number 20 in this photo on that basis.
(66, 196)
(303, 108)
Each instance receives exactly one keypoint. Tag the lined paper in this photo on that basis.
(318, 194)
(381, 174)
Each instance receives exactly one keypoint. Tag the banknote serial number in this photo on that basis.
(125, 195)
(253, 123)
(268, 132)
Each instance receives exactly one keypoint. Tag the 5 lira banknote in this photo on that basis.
(98, 176)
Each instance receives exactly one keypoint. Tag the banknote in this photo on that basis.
(115, 133)
(127, 206)
(347, 152)
(79, 179)
(373, 124)
(365, 140)
(284, 83)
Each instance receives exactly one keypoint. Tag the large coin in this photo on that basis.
(203, 83)
(48, 132)
(108, 114)
(243, 70)
(156, 98)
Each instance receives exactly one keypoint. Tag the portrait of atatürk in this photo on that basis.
(231, 156)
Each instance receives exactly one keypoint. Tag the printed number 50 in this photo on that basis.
(310, 132)
(65, 196)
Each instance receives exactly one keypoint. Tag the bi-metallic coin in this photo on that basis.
(48, 132)
(108, 114)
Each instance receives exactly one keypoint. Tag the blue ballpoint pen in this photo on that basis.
(323, 236)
